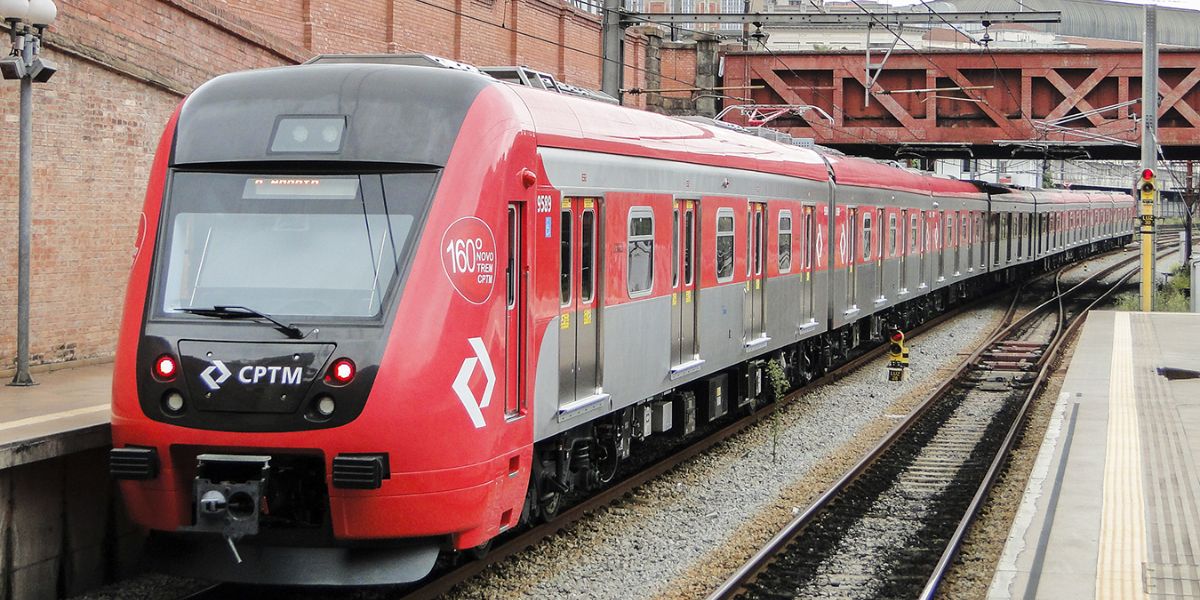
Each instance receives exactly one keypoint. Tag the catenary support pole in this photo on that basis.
(613, 62)
(1149, 148)
(1189, 202)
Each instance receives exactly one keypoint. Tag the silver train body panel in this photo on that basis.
(634, 353)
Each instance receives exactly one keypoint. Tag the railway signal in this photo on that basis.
(897, 357)
(1149, 184)
(1147, 188)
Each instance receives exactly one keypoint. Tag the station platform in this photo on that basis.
(1112, 506)
(66, 412)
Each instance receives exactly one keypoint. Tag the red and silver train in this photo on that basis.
(378, 312)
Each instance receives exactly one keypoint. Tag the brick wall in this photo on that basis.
(126, 64)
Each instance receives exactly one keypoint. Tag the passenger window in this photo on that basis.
(564, 271)
(587, 257)
(912, 233)
(689, 239)
(851, 255)
(892, 232)
(724, 245)
(758, 242)
(809, 235)
(866, 236)
(785, 241)
(510, 270)
(749, 240)
(675, 248)
(641, 251)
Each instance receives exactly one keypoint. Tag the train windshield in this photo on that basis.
(327, 246)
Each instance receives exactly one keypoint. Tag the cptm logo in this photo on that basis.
(462, 382)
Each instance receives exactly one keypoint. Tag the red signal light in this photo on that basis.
(1147, 174)
(341, 372)
(165, 367)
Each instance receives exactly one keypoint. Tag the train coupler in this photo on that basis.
(228, 492)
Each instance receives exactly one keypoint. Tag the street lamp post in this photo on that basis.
(27, 21)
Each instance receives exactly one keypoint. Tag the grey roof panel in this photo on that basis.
(1103, 19)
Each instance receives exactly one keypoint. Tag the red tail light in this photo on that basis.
(341, 372)
(165, 367)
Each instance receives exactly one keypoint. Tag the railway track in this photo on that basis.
(892, 525)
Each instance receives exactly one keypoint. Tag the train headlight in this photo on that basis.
(173, 402)
(341, 372)
(165, 368)
(325, 406)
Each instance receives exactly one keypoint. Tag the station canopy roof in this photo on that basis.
(1103, 19)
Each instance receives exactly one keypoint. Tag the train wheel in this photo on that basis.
(549, 504)
(543, 500)
(480, 551)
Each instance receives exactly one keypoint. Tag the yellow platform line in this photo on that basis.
(1123, 521)
(66, 414)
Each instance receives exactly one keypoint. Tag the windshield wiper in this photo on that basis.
(241, 312)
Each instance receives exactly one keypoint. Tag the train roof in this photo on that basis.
(865, 172)
(246, 104)
(578, 123)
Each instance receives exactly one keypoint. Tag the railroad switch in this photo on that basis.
(897, 357)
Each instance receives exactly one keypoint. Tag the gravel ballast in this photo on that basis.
(680, 536)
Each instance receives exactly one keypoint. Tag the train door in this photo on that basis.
(579, 318)
(754, 318)
(923, 252)
(1020, 235)
(514, 315)
(979, 240)
(1007, 233)
(883, 244)
(963, 239)
(944, 237)
(850, 239)
(910, 249)
(1030, 234)
(683, 283)
(995, 237)
(905, 237)
(809, 242)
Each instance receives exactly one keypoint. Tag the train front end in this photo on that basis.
(289, 404)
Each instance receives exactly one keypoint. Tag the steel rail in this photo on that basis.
(760, 559)
(955, 542)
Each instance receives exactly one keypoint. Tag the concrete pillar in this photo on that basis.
(654, 100)
(707, 64)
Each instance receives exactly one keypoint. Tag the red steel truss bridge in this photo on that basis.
(1076, 103)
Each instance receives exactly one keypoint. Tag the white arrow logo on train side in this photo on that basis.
(461, 386)
(215, 384)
